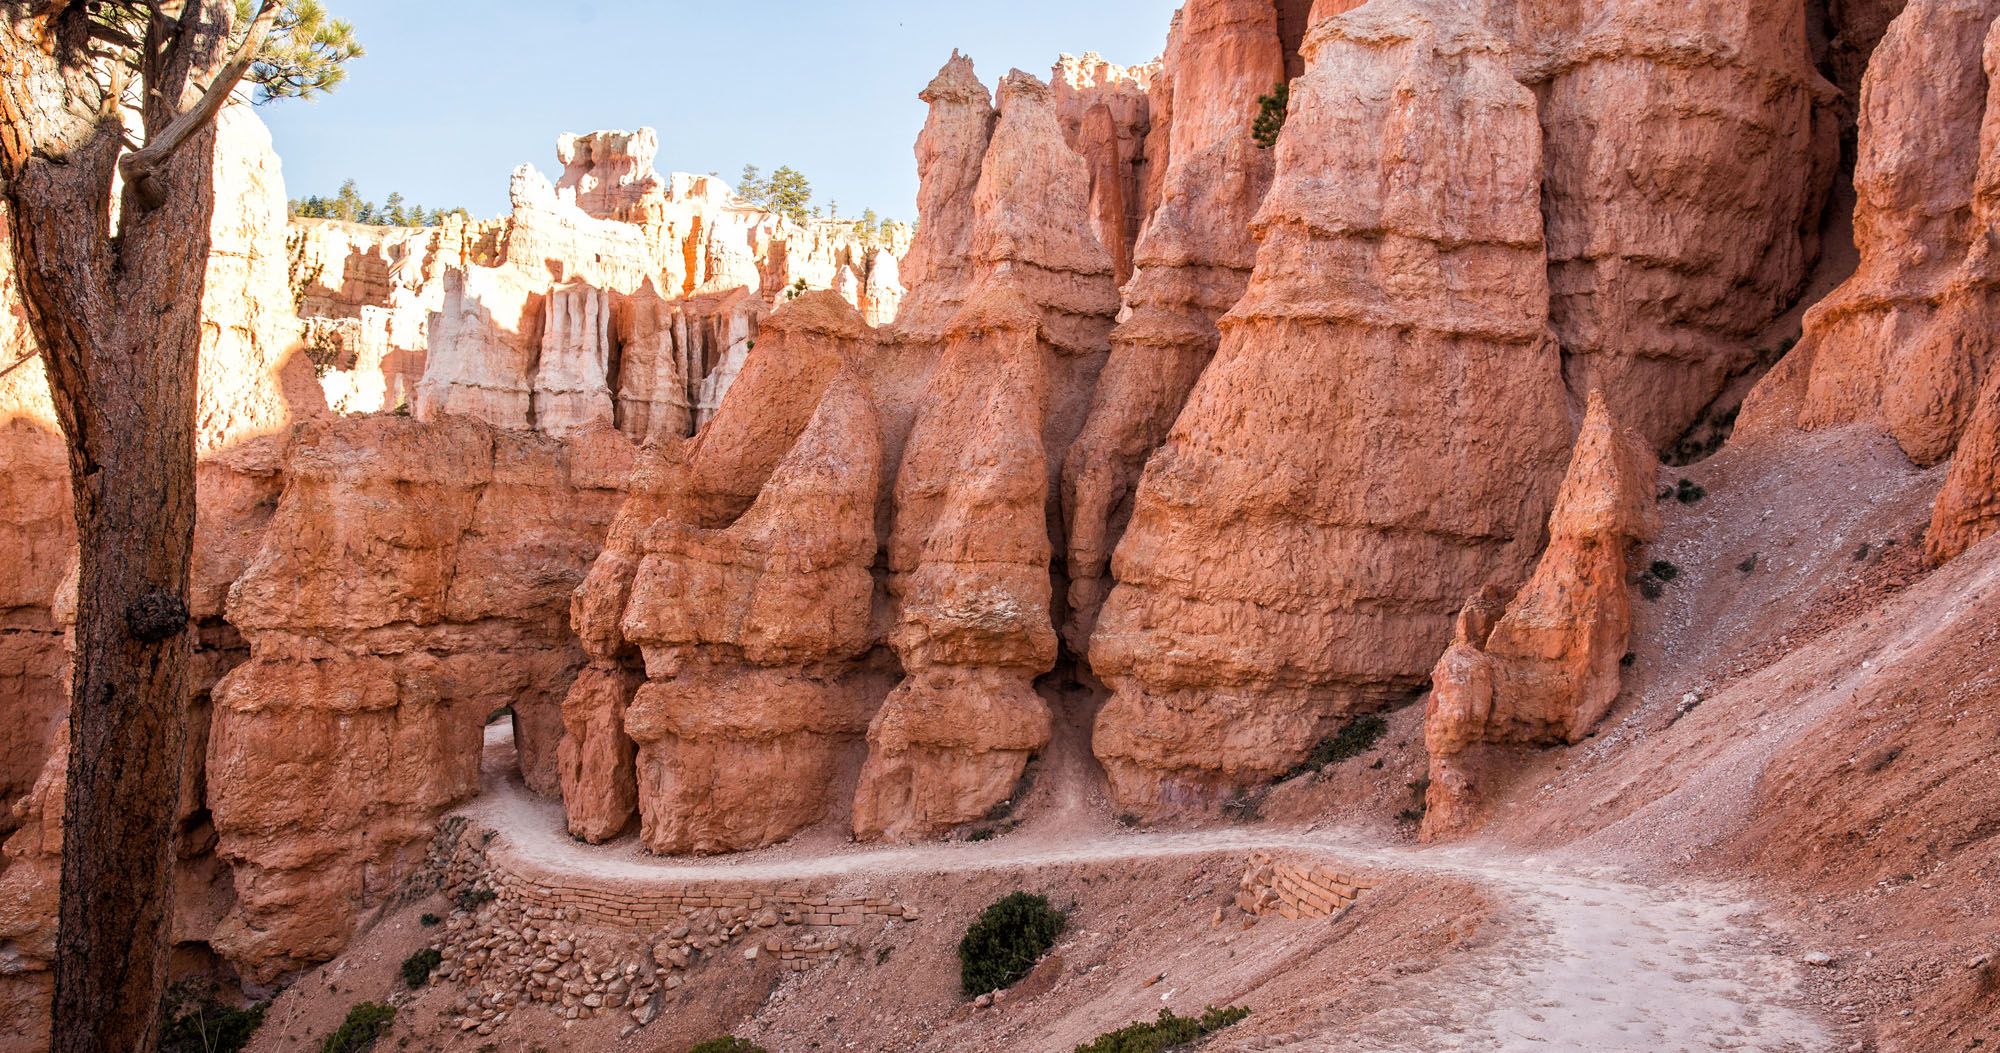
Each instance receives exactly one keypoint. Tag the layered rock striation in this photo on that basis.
(1670, 252)
(413, 583)
(1328, 496)
(1192, 260)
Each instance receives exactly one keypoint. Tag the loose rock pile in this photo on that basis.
(511, 945)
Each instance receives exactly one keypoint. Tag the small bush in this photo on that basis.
(194, 1021)
(1005, 942)
(429, 920)
(1167, 1032)
(1358, 737)
(1271, 110)
(364, 1024)
(1420, 789)
(1688, 492)
(1653, 583)
(418, 967)
(1244, 806)
(727, 1044)
(472, 896)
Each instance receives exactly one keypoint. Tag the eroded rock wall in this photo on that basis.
(1299, 545)
(1104, 109)
(38, 535)
(413, 582)
(752, 600)
(1193, 262)
(1907, 344)
(1669, 252)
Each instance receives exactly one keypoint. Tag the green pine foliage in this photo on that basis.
(418, 967)
(1358, 737)
(193, 1020)
(305, 54)
(1168, 1032)
(1006, 941)
(1271, 110)
(364, 1024)
(350, 206)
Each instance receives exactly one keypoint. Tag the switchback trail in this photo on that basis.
(1594, 962)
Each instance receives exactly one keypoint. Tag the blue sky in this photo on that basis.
(454, 93)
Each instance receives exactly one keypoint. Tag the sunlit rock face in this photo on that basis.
(1230, 433)
(1193, 260)
(614, 295)
(844, 583)
(1297, 548)
(1299, 545)
(414, 581)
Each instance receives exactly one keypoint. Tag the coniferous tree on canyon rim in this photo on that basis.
(120, 97)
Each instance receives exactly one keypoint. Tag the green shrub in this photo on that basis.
(1653, 583)
(1167, 1032)
(429, 920)
(1005, 942)
(364, 1024)
(727, 1044)
(418, 967)
(1358, 737)
(1688, 492)
(1420, 790)
(1271, 111)
(472, 896)
(194, 1021)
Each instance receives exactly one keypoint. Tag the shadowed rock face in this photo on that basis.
(1105, 113)
(1907, 342)
(1671, 251)
(1545, 668)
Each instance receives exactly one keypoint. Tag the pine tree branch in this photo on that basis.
(138, 167)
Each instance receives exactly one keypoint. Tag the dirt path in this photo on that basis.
(1596, 962)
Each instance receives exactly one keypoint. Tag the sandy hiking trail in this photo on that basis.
(1595, 961)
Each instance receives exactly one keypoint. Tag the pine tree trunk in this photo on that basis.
(117, 312)
(128, 712)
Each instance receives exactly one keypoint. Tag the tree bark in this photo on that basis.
(117, 312)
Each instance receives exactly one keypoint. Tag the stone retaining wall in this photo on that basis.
(644, 908)
(1298, 890)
